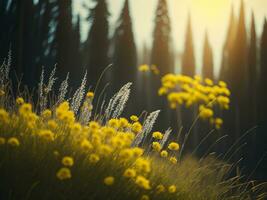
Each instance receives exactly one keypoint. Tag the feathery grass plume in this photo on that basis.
(165, 136)
(147, 128)
(5, 69)
(117, 103)
(78, 95)
(86, 111)
(63, 89)
(43, 90)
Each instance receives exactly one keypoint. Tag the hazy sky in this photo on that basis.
(210, 15)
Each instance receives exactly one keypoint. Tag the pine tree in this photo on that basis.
(97, 43)
(161, 52)
(239, 65)
(238, 74)
(263, 72)
(207, 67)
(228, 48)
(251, 92)
(63, 36)
(125, 55)
(76, 61)
(188, 59)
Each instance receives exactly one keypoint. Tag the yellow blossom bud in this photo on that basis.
(109, 180)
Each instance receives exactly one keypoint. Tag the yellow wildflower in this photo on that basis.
(86, 145)
(172, 189)
(142, 165)
(173, 160)
(46, 114)
(64, 173)
(164, 154)
(94, 158)
(123, 122)
(129, 173)
(2, 140)
(20, 101)
(2, 93)
(52, 124)
(156, 146)
(109, 180)
(218, 123)
(113, 123)
(157, 135)
(90, 95)
(94, 125)
(136, 127)
(137, 152)
(173, 146)
(144, 197)
(25, 108)
(67, 161)
(13, 141)
(134, 118)
(46, 134)
(160, 188)
(143, 68)
(143, 182)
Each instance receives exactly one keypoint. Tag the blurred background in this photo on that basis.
(218, 39)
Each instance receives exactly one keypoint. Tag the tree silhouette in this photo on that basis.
(251, 92)
(207, 67)
(263, 72)
(76, 71)
(228, 48)
(188, 59)
(161, 52)
(63, 36)
(238, 74)
(125, 55)
(97, 43)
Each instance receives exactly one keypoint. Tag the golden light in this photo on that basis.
(210, 10)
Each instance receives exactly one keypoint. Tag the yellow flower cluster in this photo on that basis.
(188, 91)
(96, 141)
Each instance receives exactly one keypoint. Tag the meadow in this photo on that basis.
(64, 145)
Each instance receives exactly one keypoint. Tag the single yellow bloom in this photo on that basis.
(156, 146)
(20, 101)
(94, 158)
(90, 95)
(67, 161)
(86, 145)
(2, 140)
(157, 135)
(164, 154)
(143, 182)
(2, 93)
(172, 189)
(129, 173)
(143, 68)
(64, 173)
(173, 146)
(136, 127)
(47, 135)
(46, 114)
(114, 123)
(109, 180)
(13, 141)
(173, 160)
(134, 118)
(144, 197)
(160, 188)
